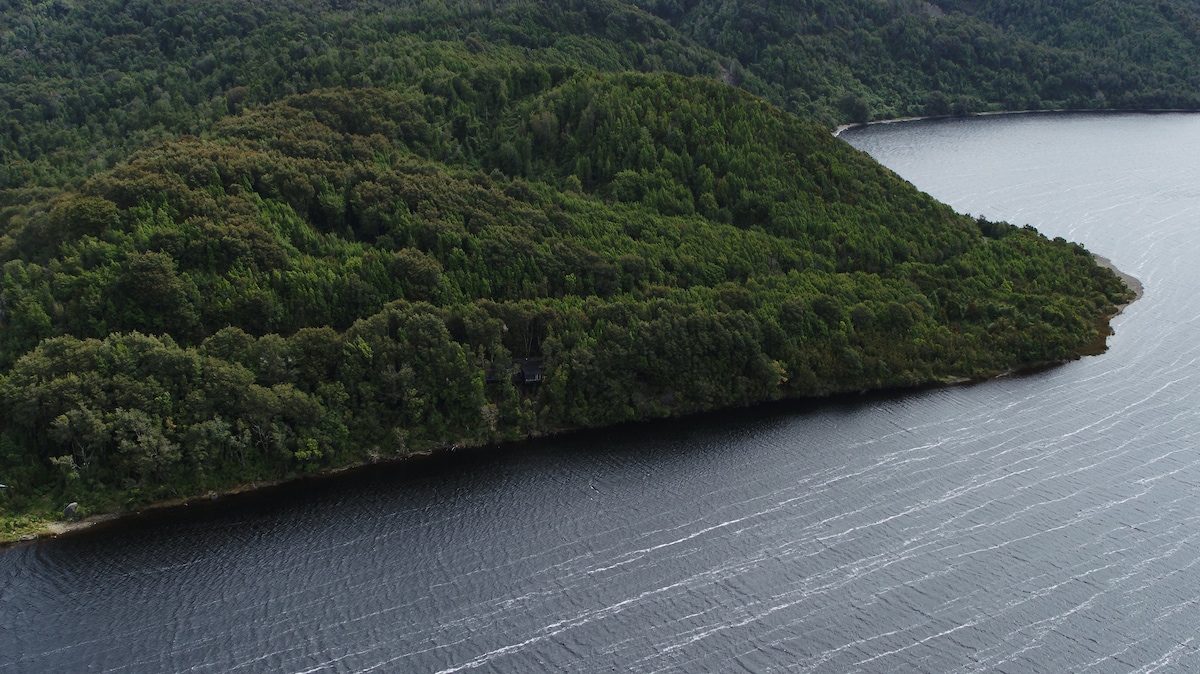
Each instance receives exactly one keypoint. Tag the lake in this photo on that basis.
(1045, 522)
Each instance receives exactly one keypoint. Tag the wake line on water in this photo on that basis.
(555, 629)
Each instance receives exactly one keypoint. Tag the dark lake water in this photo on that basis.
(1040, 523)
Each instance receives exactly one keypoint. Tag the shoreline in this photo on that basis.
(1130, 282)
(54, 529)
(41, 530)
(837, 131)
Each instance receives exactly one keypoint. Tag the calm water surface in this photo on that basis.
(1040, 523)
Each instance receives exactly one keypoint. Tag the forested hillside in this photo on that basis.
(856, 60)
(245, 242)
(84, 83)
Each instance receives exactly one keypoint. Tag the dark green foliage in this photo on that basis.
(83, 84)
(331, 249)
(857, 59)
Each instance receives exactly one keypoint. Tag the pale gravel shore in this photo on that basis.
(56, 528)
(1131, 282)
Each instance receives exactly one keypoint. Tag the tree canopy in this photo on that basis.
(243, 242)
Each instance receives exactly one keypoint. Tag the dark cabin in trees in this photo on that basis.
(524, 371)
(530, 370)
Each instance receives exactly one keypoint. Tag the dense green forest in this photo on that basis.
(82, 84)
(244, 242)
(856, 60)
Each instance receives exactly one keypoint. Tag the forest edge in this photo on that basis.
(43, 530)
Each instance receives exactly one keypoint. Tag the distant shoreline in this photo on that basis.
(1106, 111)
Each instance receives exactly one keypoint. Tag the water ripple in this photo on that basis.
(1040, 523)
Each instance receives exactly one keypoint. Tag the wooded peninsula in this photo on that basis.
(245, 242)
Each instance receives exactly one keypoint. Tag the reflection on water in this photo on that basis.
(1048, 522)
